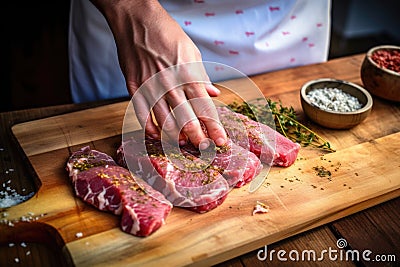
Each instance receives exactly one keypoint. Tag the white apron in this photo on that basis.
(252, 36)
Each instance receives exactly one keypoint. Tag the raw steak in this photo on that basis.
(85, 158)
(113, 188)
(90, 186)
(236, 164)
(269, 145)
(184, 180)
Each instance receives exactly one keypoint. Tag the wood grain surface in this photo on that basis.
(299, 199)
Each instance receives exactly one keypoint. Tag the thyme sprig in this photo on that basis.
(284, 119)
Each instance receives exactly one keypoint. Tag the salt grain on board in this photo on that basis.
(24, 218)
(9, 196)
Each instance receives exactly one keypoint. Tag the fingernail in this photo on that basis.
(220, 141)
(217, 90)
(204, 144)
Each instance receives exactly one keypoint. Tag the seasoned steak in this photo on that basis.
(269, 145)
(114, 189)
(91, 187)
(183, 179)
(236, 164)
(86, 158)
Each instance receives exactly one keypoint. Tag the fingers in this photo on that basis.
(193, 115)
(185, 117)
(206, 112)
(143, 114)
(172, 112)
(168, 124)
(209, 117)
(212, 90)
(179, 118)
(198, 90)
(198, 107)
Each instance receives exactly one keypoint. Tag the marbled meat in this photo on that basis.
(185, 180)
(99, 181)
(270, 146)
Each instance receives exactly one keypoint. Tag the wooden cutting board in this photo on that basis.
(365, 171)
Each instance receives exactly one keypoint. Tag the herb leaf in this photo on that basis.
(284, 120)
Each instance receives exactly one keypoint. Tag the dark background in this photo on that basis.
(34, 62)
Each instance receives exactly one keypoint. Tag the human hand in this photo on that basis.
(149, 41)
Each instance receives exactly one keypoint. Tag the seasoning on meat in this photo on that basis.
(270, 146)
(186, 181)
(236, 164)
(113, 188)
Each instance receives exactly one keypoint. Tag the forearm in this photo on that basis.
(139, 11)
(142, 30)
(149, 41)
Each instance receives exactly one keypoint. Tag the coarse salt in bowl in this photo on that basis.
(335, 103)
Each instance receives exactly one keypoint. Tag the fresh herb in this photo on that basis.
(284, 119)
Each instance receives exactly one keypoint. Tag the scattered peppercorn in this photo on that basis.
(322, 171)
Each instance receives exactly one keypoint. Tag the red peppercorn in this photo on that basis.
(389, 59)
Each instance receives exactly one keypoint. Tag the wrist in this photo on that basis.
(138, 10)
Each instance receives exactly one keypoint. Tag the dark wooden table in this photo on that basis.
(375, 229)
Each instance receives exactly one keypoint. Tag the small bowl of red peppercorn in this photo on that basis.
(380, 72)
